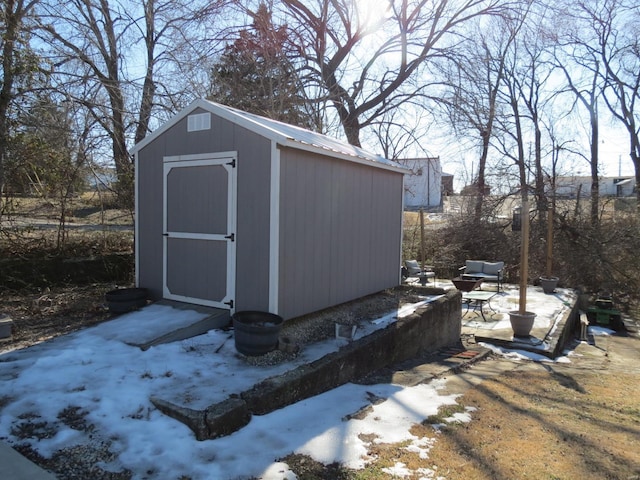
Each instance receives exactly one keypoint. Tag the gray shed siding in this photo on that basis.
(340, 231)
(253, 193)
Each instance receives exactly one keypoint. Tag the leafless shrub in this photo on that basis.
(592, 258)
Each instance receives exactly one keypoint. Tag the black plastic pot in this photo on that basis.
(256, 333)
(125, 300)
(549, 284)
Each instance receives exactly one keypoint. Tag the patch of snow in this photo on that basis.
(515, 354)
(599, 331)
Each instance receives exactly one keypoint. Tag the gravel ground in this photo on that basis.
(321, 325)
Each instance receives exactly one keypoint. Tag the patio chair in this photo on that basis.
(412, 269)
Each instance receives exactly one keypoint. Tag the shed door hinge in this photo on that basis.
(231, 237)
(230, 303)
(232, 163)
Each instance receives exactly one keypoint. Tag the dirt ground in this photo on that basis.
(41, 315)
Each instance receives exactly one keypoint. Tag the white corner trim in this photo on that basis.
(404, 179)
(136, 220)
(274, 229)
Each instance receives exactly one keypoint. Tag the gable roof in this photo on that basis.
(282, 133)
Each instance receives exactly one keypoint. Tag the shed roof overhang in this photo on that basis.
(283, 134)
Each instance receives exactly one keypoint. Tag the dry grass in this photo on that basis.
(546, 425)
(89, 208)
(30, 226)
(538, 423)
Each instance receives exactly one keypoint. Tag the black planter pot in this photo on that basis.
(125, 300)
(256, 333)
(549, 284)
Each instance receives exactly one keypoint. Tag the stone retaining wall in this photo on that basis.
(431, 327)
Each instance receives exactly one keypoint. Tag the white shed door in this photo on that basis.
(199, 231)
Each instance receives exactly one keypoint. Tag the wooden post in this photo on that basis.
(422, 240)
(549, 266)
(524, 257)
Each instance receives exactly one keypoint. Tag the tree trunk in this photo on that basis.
(352, 130)
(124, 167)
(635, 157)
(12, 20)
(542, 205)
(595, 184)
(486, 135)
(149, 86)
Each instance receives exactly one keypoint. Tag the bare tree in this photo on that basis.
(367, 63)
(532, 80)
(163, 28)
(529, 92)
(474, 76)
(619, 49)
(609, 37)
(89, 39)
(401, 133)
(512, 131)
(583, 81)
(96, 42)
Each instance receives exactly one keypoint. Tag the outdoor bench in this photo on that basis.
(483, 270)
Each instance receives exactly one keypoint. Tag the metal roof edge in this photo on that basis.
(244, 120)
(167, 125)
(227, 113)
(253, 123)
(389, 165)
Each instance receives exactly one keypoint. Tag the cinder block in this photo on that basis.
(6, 326)
(226, 417)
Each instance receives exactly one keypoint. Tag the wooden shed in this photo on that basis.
(241, 212)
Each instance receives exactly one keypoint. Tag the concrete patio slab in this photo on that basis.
(14, 466)
(141, 328)
(556, 319)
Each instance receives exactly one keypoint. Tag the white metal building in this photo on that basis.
(423, 186)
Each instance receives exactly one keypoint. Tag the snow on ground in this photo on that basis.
(111, 382)
(548, 308)
(516, 354)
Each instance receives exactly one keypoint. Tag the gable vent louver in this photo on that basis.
(199, 121)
